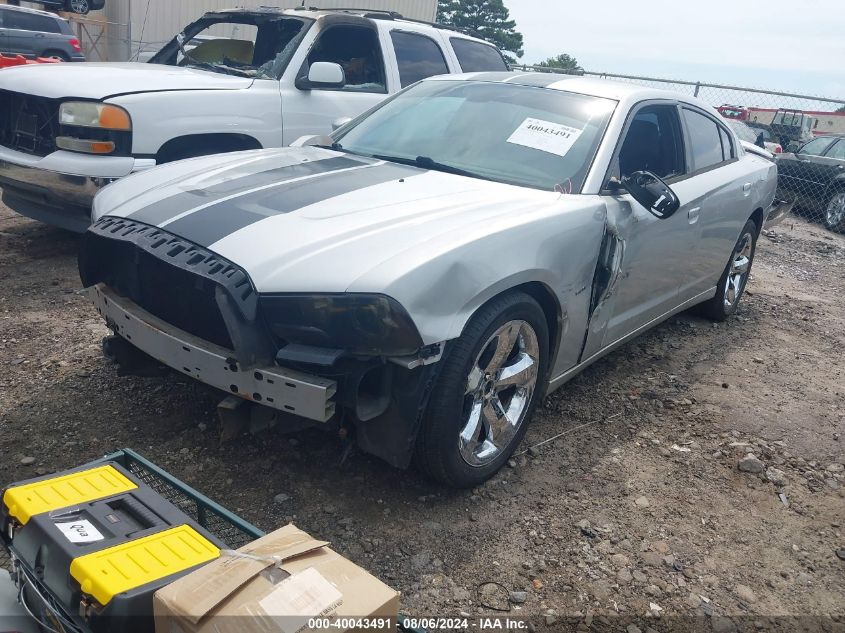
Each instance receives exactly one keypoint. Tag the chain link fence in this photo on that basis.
(806, 133)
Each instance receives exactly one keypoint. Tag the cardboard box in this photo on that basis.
(277, 584)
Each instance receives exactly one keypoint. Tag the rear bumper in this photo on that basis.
(58, 189)
(780, 208)
(293, 392)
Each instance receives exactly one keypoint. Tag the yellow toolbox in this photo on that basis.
(91, 546)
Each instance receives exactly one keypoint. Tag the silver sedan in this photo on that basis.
(423, 276)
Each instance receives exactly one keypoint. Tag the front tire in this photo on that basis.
(834, 217)
(493, 378)
(735, 277)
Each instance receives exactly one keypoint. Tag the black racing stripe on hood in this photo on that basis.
(169, 208)
(212, 224)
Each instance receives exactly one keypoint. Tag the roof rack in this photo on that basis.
(383, 14)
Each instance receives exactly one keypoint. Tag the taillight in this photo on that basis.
(76, 45)
(778, 149)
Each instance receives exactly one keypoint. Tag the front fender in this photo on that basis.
(158, 117)
(556, 249)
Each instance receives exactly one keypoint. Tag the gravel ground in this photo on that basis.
(638, 514)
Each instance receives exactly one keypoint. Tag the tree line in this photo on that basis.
(491, 20)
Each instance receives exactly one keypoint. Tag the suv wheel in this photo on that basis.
(493, 377)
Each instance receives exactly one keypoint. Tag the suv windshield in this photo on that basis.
(532, 137)
(247, 45)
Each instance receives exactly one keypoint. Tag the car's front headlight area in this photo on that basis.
(358, 324)
(89, 127)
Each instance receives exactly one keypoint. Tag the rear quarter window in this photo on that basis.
(476, 57)
(65, 27)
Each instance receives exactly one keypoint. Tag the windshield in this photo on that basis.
(789, 118)
(258, 46)
(532, 137)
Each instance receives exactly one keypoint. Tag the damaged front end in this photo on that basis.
(332, 360)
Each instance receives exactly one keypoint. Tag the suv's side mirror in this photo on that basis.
(761, 140)
(323, 75)
(651, 192)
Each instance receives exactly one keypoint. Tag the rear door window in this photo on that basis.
(705, 140)
(476, 57)
(418, 57)
(23, 21)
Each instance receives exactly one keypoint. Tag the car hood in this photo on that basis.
(103, 80)
(306, 219)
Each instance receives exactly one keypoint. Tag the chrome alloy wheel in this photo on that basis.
(499, 390)
(835, 215)
(738, 274)
(79, 6)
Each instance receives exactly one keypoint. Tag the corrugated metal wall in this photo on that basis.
(153, 22)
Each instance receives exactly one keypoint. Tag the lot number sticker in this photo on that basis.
(80, 532)
(545, 136)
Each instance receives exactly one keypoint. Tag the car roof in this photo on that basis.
(9, 7)
(372, 14)
(606, 88)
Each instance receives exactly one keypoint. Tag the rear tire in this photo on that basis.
(480, 407)
(735, 277)
(834, 216)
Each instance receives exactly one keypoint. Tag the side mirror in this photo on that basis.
(651, 192)
(339, 123)
(323, 75)
(761, 140)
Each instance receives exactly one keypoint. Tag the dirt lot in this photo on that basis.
(637, 514)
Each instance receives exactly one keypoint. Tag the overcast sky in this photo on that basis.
(786, 45)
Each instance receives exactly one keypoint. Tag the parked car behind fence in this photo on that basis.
(37, 34)
(814, 176)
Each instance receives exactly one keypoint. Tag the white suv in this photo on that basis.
(233, 80)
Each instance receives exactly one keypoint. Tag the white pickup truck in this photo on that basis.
(233, 80)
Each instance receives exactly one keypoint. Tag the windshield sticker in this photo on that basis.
(545, 136)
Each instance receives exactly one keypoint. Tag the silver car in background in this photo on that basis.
(425, 275)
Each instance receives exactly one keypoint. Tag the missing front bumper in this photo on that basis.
(293, 392)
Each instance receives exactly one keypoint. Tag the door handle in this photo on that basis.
(746, 187)
(694, 214)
